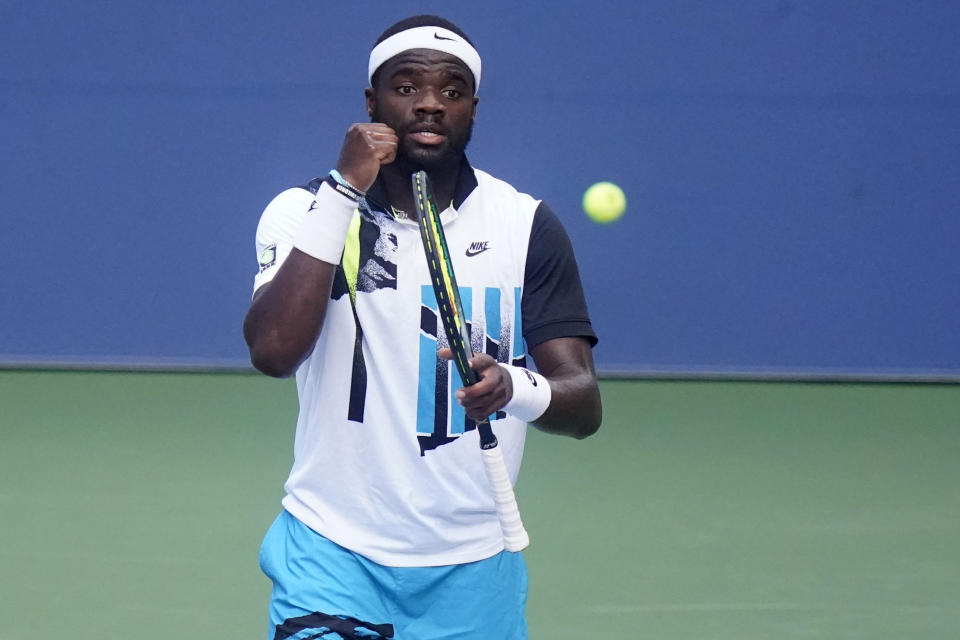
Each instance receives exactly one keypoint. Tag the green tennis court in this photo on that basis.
(133, 504)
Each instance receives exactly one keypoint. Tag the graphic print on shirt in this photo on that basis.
(369, 263)
(440, 418)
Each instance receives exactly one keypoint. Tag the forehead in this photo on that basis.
(425, 61)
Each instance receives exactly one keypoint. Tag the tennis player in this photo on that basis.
(388, 527)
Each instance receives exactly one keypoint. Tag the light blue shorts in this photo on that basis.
(322, 591)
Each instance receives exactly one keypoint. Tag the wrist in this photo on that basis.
(347, 183)
(323, 231)
(531, 393)
(344, 188)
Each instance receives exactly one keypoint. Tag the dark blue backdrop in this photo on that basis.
(791, 169)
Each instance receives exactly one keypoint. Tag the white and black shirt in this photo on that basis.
(385, 461)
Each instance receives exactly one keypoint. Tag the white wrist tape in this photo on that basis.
(531, 393)
(323, 231)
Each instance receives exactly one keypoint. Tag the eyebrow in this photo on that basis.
(453, 69)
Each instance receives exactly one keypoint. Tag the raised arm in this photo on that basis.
(286, 314)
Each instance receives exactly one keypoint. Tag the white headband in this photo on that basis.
(436, 38)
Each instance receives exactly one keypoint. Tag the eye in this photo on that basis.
(451, 94)
(405, 90)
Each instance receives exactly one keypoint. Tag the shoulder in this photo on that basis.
(549, 242)
(283, 214)
(294, 197)
(491, 187)
(509, 209)
(546, 223)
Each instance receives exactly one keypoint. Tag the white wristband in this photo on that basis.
(531, 393)
(323, 232)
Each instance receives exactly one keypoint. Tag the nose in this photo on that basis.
(429, 101)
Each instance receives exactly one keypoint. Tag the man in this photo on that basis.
(389, 528)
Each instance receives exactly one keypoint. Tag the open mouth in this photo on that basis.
(427, 137)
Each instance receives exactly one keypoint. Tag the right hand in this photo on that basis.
(366, 147)
(493, 390)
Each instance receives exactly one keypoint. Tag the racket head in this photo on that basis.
(442, 277)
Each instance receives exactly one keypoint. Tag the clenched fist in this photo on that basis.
(366, 147)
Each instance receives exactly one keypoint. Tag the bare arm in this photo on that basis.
(575, 407)
(567, 363)
(287, 313)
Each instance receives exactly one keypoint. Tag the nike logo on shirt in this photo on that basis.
(477, 248)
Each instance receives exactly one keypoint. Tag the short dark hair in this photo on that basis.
(424, 20)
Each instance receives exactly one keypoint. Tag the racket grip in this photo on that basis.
(515, 537)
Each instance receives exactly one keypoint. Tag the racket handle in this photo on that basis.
(515, 537)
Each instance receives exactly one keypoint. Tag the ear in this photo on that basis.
(370, 100)
(473, 115)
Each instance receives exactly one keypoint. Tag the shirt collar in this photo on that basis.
(466, 183)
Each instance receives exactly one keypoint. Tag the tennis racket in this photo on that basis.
(450, 308)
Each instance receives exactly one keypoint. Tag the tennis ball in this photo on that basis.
(604, 202)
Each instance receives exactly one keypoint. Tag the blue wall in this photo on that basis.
(791, 169)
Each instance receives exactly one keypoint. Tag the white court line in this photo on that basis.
(720, 607)
(105, 557)
(687, 607)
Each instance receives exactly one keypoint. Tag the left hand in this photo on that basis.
(492, 392)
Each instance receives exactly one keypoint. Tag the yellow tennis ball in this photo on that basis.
(604, 202)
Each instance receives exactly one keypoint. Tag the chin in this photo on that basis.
(428, 159)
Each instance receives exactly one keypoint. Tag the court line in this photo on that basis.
(688, 607)
(106, 557)
(722, 607)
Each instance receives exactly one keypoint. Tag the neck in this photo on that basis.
(396, 183)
